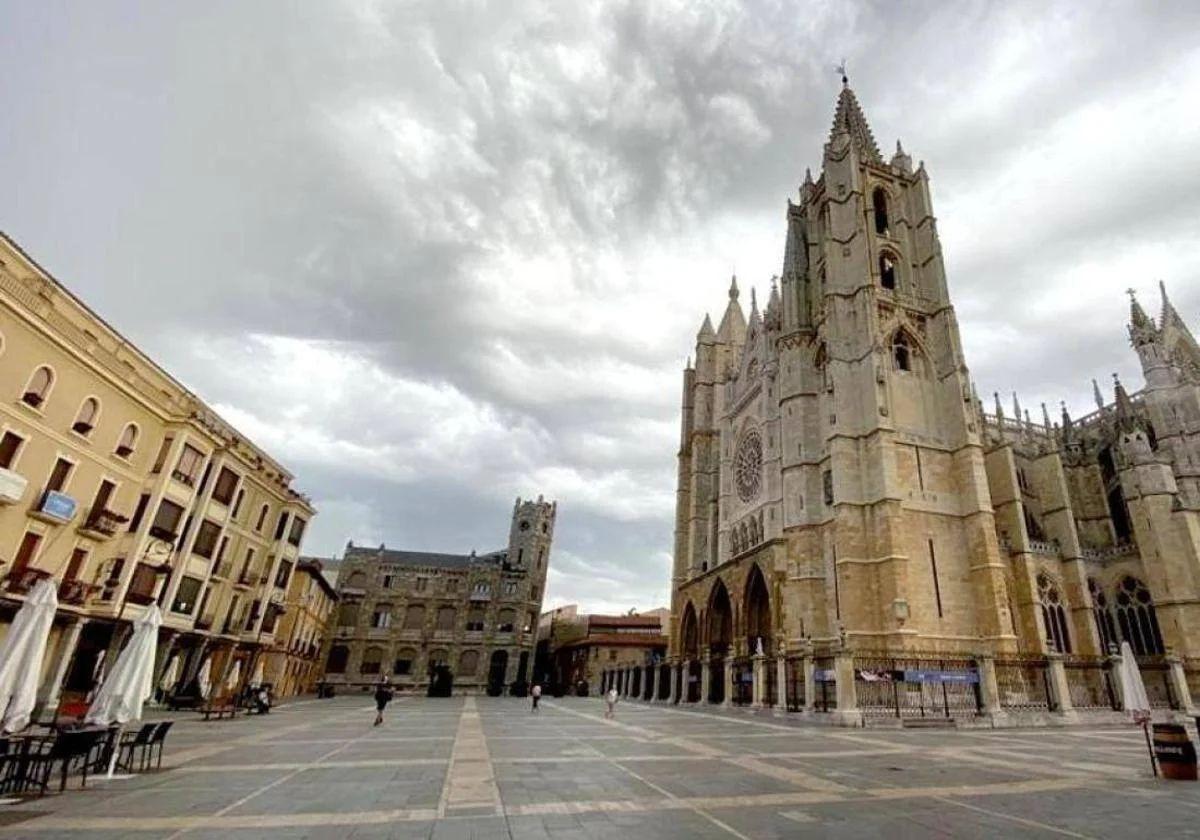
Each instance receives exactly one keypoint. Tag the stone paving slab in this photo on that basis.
(489, 768)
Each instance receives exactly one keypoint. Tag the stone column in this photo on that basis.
(781, 686)
(705, 676)
(758, 696)
(1059, 689)
(809, 701)
(1179, 686)
(848, 713)
(64, 652)
(651, 680)
(673, 686)
(728, 675)
(989, 689)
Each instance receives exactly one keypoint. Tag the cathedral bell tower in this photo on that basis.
(886, 501)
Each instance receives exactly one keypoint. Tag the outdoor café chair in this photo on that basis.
(158, 740)
(66, 748)
(136, 742)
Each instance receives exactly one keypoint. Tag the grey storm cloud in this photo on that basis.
(438, 254)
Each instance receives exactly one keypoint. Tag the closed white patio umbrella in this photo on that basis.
(258, 672)
(22, 653)
(234, 673)
(130, 681)
(204, 678)
(1133, 694)
(171, 675)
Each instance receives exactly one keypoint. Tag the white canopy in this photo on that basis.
(1133, 690)
(235, 672)
(130, 681)
(204, 678)
(22, 653)
(171, 675)
(258, 672)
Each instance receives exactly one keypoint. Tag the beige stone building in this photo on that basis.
(293, 662)
(474, 617)
(854, 534)
(127, 490)
(610, 650)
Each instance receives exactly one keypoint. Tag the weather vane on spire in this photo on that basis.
(841, 68)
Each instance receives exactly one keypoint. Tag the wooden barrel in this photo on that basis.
(1175, 753)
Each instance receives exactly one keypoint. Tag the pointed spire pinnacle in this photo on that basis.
(848, 118)
(1137, 316)
(1028, 422)
(707, 333)
(753, 300)
(1124, 404)
(999, 408)
(808, 178)
(1096, 395)
(733, 288)
(901, 159)
(688, 366)
(1045, 417)
(1066, 417)
(1016, 408)
(1169, 315)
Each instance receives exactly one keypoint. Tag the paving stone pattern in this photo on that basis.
(489, 768)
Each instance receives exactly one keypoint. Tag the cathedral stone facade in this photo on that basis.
(466, 619)
(848, 514)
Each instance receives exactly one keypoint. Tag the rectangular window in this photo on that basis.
(381, 619)
(403, 667)
(226, 484)
(421, 583)
(166, 521)
(103, 495)
(387, 581)
(59, 475)
(78, 558)
(221, 550)
(244, 577)
(189, 465)
(237, 505)
(297, 532)
(163, 451)
(827, 482)
(281, 524)
(186, 595)
(206, 539)
(347, 615)
(10, 445)
(285, 572)
(139, 512)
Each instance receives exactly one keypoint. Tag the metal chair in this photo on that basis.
(158, 739)
(66, 748)
(134, 741)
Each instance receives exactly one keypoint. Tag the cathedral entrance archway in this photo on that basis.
(758, 613)
(720, 637)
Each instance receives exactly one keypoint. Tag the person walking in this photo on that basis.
(383, 696)
(536, 694)
(611, 700)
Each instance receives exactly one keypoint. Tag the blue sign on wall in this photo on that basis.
(824, 675)
(924, 676)
(59, 505)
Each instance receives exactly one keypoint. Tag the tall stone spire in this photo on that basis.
(1096, 395)
(1141, 328)
(848, 118)
(733, 324)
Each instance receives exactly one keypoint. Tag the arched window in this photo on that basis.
(475, 619)
(39, 387)
(887, 270)
(381, 616)
(902, 351)
(128, 441)
(1054, 617)
(338, 655)
(237, 503)
(1106, 629)
(85, 420)
(414, 617)
(879, 203)
(262, 517)
(1136, 617)
(404, 662)
(468, 663)
(1033, 527)
(372, 661)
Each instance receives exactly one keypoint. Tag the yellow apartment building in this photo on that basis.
(293, 663)
(122, 486)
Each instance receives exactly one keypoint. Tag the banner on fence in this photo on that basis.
(920, 675)
(824, 675)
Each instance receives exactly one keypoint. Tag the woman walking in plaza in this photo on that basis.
(383, 696)
(536, 694)
(611, 700)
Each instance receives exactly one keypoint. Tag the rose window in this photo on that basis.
(747, 467)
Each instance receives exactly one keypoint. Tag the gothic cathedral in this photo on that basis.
(841, 487)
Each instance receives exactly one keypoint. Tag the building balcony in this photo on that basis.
(12, 487)
(102, 524)
(76, 592)
(55, 507)
(20, 581)
(164, 534)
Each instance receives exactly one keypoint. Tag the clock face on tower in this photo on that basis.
(747, 466)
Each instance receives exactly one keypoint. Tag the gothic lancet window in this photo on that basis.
(1135, 615)
(879, 202)
(902, 351)
(887, 270)
(1105, 627)
(1054, 617)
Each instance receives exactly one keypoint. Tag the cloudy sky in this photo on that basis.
(435, 255)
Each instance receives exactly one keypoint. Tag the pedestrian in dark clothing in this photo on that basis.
(536, 694)
(383, 696)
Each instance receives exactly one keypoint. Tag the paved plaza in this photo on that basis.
(488, 768)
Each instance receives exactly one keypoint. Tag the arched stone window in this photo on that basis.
(1106, 628)
(475, 619)
(414, 617)
(85, 420)
(372, 661)
(381, 617)
(468, 663)
(1054, 617)
(445, 618)
(404, 662)
(887, 270)
(901, 352)
(880, 206)
(38, 388)
(338, 655)
(1136, 617)
(128, 440)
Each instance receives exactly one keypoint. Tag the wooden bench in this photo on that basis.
(218, 711)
